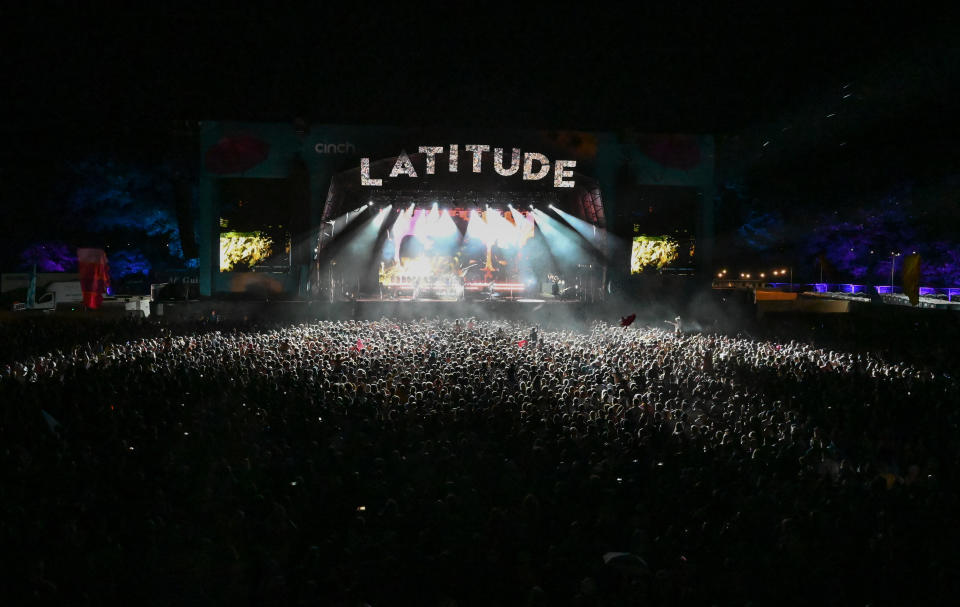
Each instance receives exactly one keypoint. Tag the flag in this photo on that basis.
(521, 343)
(52, 423)
(94, 276)
(911, 278)
(626, 321)
(32, 288)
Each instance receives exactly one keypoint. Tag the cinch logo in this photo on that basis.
(334, 148)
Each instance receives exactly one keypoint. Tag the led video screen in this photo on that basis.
(449, 251)
(243, 250)
(649, 253)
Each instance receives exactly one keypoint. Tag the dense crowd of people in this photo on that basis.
(472, 463)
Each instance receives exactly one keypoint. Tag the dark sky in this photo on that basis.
(804, 105)
(700, 70)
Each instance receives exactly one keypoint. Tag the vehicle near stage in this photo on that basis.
(57, 293)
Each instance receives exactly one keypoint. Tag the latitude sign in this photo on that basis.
(536, 166)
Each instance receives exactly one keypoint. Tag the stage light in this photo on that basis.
(380, 216)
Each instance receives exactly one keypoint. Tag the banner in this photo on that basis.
(911, 278)
(94, 276)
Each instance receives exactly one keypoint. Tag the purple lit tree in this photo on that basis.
(51, 256)
(859, 245)
(943, 266)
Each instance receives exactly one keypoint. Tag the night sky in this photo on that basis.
(808, 109)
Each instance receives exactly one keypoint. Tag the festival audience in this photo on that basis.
(470, 463)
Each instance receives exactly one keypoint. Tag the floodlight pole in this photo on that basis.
(892, 261)
(333, 226)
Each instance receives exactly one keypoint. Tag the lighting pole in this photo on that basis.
(893, 258)
(333, 226)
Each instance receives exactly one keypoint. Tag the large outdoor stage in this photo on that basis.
(340, 211)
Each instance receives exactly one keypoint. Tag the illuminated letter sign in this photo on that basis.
(365, 174)
(536, 166)
(478, 151)
(454, 155)
(528, 174)
(431, 152)
(560, 175)
(403, 166)
(498, 162)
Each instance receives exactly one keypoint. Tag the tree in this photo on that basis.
(53, 256)
(126, 203)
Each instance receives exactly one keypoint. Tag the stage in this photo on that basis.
(527, 310)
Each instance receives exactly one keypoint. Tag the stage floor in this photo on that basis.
(466, 301)
(371, 309)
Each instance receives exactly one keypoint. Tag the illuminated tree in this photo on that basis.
(52, 256)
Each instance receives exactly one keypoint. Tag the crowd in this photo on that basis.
(473, 463)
